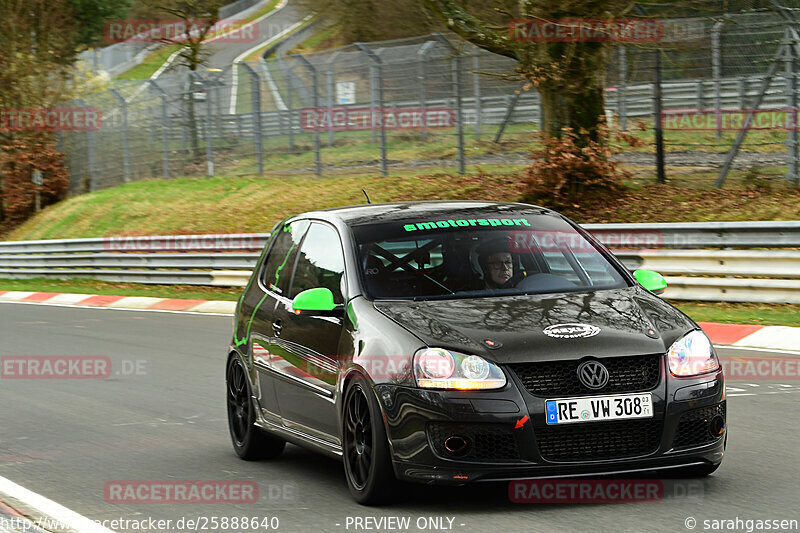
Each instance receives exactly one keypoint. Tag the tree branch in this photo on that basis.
(473, 30)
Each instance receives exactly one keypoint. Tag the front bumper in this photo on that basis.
(504, 445)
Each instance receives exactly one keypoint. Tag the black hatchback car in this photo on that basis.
(455, 342)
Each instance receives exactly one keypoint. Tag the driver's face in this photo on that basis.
(501, 268)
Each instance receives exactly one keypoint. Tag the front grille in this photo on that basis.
(560, 378)
(599, 440)
(693, 427)
(487, 442)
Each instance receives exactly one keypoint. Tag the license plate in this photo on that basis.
(593, 408)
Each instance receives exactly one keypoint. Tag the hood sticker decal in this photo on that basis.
(571, 331)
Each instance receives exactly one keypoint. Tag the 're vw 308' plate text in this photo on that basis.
(594, 408)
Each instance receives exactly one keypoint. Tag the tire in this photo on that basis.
(249, 442)
(367, 462)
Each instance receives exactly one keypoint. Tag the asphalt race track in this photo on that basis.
(161, 416)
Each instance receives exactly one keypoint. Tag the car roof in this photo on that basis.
(374, 213)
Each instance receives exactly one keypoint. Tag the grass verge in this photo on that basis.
(251, 204)
(741, 313)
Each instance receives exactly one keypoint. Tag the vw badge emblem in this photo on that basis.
(593, 375)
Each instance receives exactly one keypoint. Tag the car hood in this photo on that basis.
(510, 329)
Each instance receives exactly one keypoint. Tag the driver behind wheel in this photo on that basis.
(497, 265)
(500, 269)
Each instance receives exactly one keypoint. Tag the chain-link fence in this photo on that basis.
(438, 102)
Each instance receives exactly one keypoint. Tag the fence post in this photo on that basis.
(623, 82)
(255, 99)
(455, 67)
(216, 83)
(422, 54)
(791, 103)
(89, 184)
(660, 173)
(329, 76)
(289, 104)
(208, 125)
(164, 127)
(313, 71)
(126, 165)
(716, 73)
(476, 80)
(377, 68)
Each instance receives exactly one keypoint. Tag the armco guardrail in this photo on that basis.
(714, 261)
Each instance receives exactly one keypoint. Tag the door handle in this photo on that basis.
(276, 327)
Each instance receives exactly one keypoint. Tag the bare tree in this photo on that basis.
(198, 18)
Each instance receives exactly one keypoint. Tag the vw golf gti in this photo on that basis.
(458, 342)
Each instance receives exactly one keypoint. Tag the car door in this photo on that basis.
(272, 287)
(304, 350)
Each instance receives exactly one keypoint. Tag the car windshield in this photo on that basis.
(480, 255)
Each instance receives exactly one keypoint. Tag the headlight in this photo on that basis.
(692, 355)
(436, 368)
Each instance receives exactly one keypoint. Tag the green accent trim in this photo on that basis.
(239, 342)
(650, 280)
(319, 299)
(351, 314)
(278, 270)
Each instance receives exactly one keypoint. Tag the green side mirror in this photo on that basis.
(317, 300)
(650, 280)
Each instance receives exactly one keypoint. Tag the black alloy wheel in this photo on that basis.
(368, 468)
(249, 441)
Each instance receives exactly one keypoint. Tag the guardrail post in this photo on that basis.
(377, 69)
(742, 86)
(126, 165)
(699, 94)
(255, 99)
(164, 127)
(455, 67)
(422, 54)
(89, 183)
(313, 71)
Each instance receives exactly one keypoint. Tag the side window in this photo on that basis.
(278, 267)
(321, 262)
